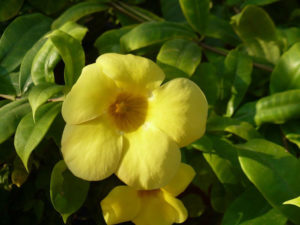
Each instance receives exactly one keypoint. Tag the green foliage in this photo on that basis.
(244, 55)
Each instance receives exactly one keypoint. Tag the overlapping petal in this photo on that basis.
(155, 210)
(179, 108)
(92, 150)
(181, 180)
(122, 204)
(150, 158)
(89, 97)
(180, 213)
(134, 73)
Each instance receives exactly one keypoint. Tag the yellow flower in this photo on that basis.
(120, 120)
(148, 207)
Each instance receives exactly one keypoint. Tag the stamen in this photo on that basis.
(129, 111)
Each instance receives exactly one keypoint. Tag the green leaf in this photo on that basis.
(78, 11)
(41, 93)
(208, 80)
(30, 133)
(246, 112)
(181, 54)
(221, 29)
(278, 108)
(274, 172)
(224, 162)
(196, 13)
(258, 2)
(25, 70)
(171, 10)
(48, 6)
(250, 208)
(109, 41)
(295, 201)
(19, 37)
(291, 130)
(151, 33)
(261, 41)
(9, 9)
(67, 192)
(239, 128)
(47, 57)
(72, 54)
(194, 205)
(10, 116)
(6, 85)
(203, 144)
(286, 74)
(240, 66)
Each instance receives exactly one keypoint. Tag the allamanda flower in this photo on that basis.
(148, 207)
(120, 120)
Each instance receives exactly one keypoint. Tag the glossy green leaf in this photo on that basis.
(19, 37)
(25, 70)
(41, 93)
(10, 116)
(286, 74)
(48, 56)
(240, 67)
(291, 130)
(67, 192)
(295, 201)
(196, 13)
(72, 54)
(109, 41)
(29, 133)
(261, 41)
(150, 33)
(274, 172)
(221, 29)
(181, 54)
(290, 35)
(208, 80)
(48, 6)
(224, 162)
(241, 129)
(9, 8)
(78, 11)
(250, 208)
(203, 144)
(278, 108)
(171, 10)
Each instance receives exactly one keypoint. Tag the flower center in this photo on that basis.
(147, 193)
(128, 111)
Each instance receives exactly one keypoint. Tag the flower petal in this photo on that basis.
(120, 205)
(181, 213)
(155, 210)
(92, 150)
(179, 108)
(89, 97)
(150, 158)
(181, 181)
(131, 72)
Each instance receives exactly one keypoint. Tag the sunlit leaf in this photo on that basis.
(274, 172)
(72, 54)
(10, 116)
(151, 33)
(78, 11)
(180, 54)
(29, 132)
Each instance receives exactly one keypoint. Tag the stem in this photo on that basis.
(224, 53)
(9, 97)
(134, 14)
(59, 99)
(126, 12)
